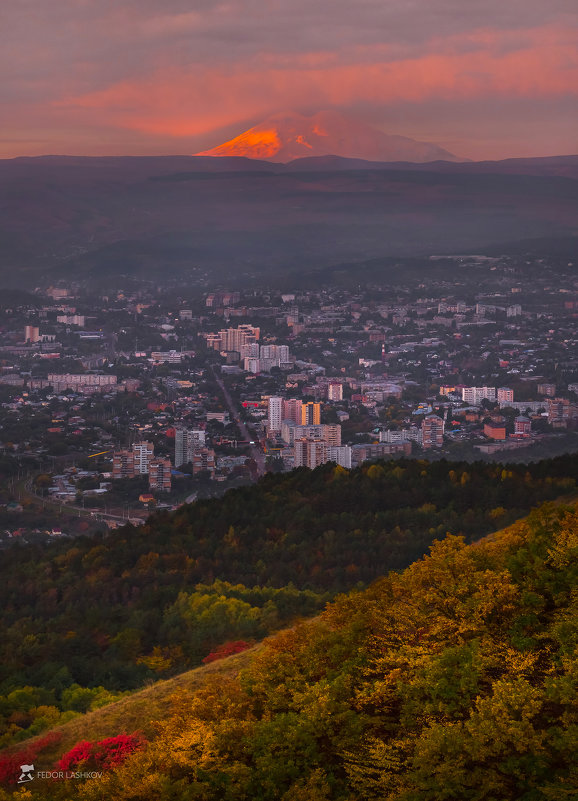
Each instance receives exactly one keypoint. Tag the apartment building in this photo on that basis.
(160, 475)
(432, 429)
(187, 441)
(143, 453)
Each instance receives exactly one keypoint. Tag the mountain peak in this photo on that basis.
(287, 136)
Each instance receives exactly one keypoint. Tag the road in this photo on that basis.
(256, 452)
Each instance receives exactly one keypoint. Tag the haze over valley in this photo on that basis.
(80, 217)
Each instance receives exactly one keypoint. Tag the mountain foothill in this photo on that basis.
(291, 193)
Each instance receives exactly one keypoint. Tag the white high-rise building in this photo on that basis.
(476, 395)
(260, 359)
(143, 452)
(252, 364)
(187, 441)
(330, 434)
(278, 352)
(275, 417)
(340, 454)
(265, 365)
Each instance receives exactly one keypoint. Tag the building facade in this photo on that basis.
(123, 465)
(31, 334)
(339, 454)
(275, 413)
(330, 434)
(505, 395)
(522, 426)
(309, 452)
(432, 429)
(186, 442)
(143, 453)
(310, 414)
(82, 382)
(475, 395)
(235, 338)
(204, 461)
(334, 391)
(160, 475)
(412, 434)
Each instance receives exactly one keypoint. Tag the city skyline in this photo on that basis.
(87, 78)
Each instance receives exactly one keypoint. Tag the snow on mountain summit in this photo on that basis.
(287, 136)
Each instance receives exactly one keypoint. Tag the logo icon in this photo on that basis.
(26, 774)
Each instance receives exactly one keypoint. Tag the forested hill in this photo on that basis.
(85, 620)
(456, 679)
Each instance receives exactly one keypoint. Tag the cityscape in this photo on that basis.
(171, 395)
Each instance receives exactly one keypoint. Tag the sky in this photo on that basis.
(483, 78)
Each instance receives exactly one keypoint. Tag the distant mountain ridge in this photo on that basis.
(289, 136)
(77, 217)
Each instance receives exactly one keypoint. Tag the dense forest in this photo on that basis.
(455, 679)
(84, 621)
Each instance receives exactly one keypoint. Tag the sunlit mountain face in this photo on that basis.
(288, 136)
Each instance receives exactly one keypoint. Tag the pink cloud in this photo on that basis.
(187, 102)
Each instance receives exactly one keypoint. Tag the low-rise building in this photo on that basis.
(496, 431)
(522, 426)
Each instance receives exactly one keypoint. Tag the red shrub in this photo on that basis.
(81, 752)
(105, 754)
(10, 766)
(114, 750)
(226, 649)
(10, 763)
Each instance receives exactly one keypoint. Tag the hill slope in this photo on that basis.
(456, 679)
(138, 603)
(139, 711)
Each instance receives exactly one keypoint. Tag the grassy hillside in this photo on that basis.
(455, 679)
(138, 711)
(84, 621)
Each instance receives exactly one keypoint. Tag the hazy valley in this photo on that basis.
(71, 218)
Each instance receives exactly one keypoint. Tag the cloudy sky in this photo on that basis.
(483, 78)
